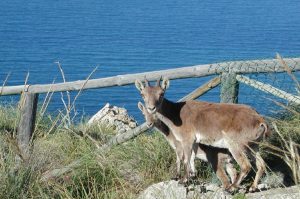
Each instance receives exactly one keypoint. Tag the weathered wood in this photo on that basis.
(229, 88)
(202, 89)
(254, 66)
(58, 172)
(28, 107)
(268, 89)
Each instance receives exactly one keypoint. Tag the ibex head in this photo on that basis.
(150, 119)
(153, 95)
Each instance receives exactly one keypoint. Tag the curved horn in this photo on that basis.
(146, 82)
(158, 81)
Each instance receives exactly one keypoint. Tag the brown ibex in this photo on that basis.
(235, 127)
(215, 156)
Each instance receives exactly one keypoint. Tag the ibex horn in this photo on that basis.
(158, 81)
(146, 82)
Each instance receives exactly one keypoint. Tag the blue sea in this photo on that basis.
(121, 37)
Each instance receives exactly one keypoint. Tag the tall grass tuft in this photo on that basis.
(285, 141)
(285, 144)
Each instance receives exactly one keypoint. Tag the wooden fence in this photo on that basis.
(230, 74)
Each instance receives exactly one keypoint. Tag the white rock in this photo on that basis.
(173, 190)
(277, 193)
(273, 179)
(263, 187)
(219, 194)
(100, 114)
(165, 190)
(212, 187)
(115, 117)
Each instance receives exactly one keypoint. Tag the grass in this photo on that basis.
(282, 149)
(122, 172)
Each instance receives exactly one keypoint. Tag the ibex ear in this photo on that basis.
(141, 106)
(165, 83)
(139, 85)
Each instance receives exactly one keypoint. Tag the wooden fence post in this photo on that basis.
(229, 88)
(28, 107)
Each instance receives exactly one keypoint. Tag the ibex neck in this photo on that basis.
(162, 127)
(167, 105)
(171, 110)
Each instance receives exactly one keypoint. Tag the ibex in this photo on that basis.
(215, 156)
(235, 127)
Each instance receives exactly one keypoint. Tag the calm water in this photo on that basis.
(122, 37)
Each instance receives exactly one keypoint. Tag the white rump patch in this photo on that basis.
(199, 138)
(201, 156)
(222, 143)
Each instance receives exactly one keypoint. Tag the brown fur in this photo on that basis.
(231, 126)
(215, 156)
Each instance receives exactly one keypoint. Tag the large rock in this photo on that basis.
(168, 189)
(171, 189)
(114, 117)
(278, 193)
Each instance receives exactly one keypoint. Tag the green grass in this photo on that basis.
(122, 172)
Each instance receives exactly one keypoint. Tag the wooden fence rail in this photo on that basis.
(238, 67)
(267, 88)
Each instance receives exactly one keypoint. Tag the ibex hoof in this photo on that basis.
(193, 174)
(186, 181)
(182, 181)
(253, 189)
(226, 187)
(232, 189)
(177, 177)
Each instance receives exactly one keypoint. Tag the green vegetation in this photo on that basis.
(283, 147)
(122, 172)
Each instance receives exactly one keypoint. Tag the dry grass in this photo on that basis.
(284, 146)
(120, 173)
(282, 149)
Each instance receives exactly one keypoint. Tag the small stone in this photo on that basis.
(212, 187)
(132, 124)
(262, 187)
(242, 190)
(273, 179)
(121, 131)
